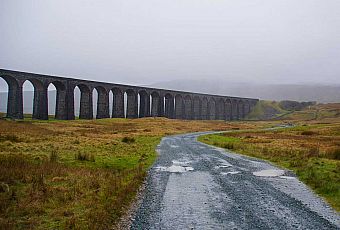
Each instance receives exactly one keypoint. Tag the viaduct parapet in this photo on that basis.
(128, 101)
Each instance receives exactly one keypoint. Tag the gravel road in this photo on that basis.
(196, 186)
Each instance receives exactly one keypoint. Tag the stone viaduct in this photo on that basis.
(139, 101)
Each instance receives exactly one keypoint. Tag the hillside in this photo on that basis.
(272, 110)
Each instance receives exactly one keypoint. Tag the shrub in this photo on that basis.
(228, 146)
(308, 133)
(128, 140)
(76, 142)
(85, 157)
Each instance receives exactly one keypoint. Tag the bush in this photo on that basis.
(228, 146)
(128, 140)
(85, 157)
(308, 133)
(76, 142)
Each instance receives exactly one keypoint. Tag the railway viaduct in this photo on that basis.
(128, 101)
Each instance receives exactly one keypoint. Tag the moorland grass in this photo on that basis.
(79, 174)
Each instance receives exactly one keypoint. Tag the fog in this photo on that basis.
(150, 41)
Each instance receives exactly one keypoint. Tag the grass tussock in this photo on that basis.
(85, 157)
(128, 140)
(312, 151)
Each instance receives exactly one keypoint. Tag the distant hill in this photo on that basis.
(276, 92)
(272, 110)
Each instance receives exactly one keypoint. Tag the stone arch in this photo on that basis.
(86, 101)
(187, 107)
(228, 114)
(156, 104)
(179, 106)
(118, 103)
(132, 104)
(144, 104)
(197, 108)
(211, 109)
(14, 98)
(169, 106)
(204, 109)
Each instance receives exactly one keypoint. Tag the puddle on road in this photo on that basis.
(224, 164)
(230, 173)
(288, 177)
(176, 167)
(269, 173)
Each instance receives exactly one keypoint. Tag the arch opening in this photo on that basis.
(28, 91)
(13, 100)
(3, 97)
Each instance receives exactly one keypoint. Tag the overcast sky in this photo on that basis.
(143, 42)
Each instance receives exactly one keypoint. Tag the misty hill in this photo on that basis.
(277, 92)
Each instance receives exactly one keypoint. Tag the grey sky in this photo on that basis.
(142, 42)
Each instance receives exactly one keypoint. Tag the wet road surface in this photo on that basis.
(196, 186)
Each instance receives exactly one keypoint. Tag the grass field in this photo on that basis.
(79, 174)
(311, 149)
(83, 174)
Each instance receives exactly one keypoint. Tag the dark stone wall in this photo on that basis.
(168, 103)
